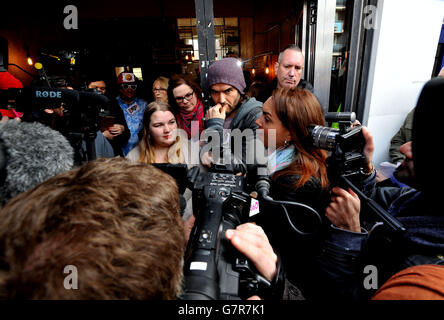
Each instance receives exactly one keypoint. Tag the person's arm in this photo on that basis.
(343, 210)
(120, 125)
(214, 123)
(215, 117)
(251, 240)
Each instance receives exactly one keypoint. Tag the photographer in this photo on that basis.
(299, 174)
(113, 126)
(416, 207)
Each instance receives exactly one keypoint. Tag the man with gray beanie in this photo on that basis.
(232, 108)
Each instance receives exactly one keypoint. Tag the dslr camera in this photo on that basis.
(347, 160)
(345, 143)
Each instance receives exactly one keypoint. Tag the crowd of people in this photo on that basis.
(120, 222)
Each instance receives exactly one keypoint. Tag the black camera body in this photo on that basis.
(346, 145)
(347, 160)
(214, 269)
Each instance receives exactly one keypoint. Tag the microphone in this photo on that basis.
(44, 98)
(30, 153)
(92, 98)
(41, 98)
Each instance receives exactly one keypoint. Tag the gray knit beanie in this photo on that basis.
(227, 71)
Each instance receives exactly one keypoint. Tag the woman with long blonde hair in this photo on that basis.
(161, 141)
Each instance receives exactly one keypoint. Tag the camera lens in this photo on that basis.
(323, 137)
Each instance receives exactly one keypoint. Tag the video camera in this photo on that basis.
(222, 200)
(79, 118)
(214, 269)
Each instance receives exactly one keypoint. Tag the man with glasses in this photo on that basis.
(132, 107)
(289, 68)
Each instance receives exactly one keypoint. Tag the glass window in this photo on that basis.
(226, 35)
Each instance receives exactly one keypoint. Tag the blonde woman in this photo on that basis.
(161, 141)
(160, 89)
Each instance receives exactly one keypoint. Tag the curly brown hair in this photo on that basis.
(117, 222)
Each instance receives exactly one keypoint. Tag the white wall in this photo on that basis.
(405, 42)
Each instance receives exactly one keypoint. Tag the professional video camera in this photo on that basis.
(347, 160)
(222, 200)
(213, 268)
(79, 113)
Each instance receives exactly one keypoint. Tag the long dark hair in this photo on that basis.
(296, 109)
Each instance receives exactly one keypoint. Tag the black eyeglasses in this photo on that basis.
(187, 97)
(127, 86)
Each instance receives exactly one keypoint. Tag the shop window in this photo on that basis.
(226, 36)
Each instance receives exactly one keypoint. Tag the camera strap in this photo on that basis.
(276, 290)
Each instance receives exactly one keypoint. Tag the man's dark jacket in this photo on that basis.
(268, 91)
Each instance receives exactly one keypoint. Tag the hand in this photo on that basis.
(107, 134)
(116, 129)
(216, 111)
(207, 159)
(343, 211)
(356, 123)
(369, 148)
(188, 227)
(251, 240)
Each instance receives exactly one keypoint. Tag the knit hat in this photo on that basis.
(227, 71)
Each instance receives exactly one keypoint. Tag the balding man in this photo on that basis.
(289, 68)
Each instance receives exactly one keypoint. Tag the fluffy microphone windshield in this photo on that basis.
(33, 154)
